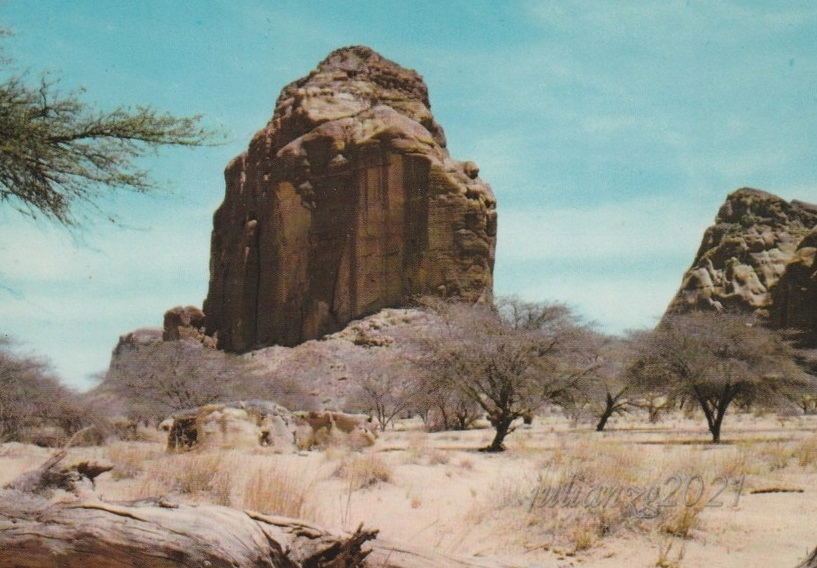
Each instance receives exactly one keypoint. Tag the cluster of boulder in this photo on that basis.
(257, 423)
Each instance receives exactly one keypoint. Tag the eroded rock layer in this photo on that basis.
(345, 203)
(757, 257)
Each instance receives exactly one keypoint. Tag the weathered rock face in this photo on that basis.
(757, 257)
(345, 203)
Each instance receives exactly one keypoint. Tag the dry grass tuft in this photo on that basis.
(275, 490)
(805, 452)
(666, 559)
(206, 476)
(438, 457)
(587, 490)
(417, 448)
(776, 455)
(130, 459)
(364, 470)
(680, 521)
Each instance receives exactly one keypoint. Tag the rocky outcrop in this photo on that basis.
(183, 322)
(132, 341)
(758, 257)
(250, 424)
(325, 374)
(345, 203)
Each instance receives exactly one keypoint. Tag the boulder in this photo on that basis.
(326, 428)
(183, 323)
(347, 202)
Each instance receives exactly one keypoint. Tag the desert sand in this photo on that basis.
(641, 494)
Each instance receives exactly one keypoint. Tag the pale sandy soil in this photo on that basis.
(436, 491)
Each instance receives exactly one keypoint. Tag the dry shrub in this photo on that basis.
(276, 490)
(776, 456)
(364, 470)
(438, 457)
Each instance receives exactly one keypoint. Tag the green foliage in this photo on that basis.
(57, 151)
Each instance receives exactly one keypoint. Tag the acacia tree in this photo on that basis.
(442, 406)
(158, 379)
(511, 360)
(32, 397)
(382, 395)
(57, 151)
(606, 391)
(717, 359)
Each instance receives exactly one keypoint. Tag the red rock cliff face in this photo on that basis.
(345, 203)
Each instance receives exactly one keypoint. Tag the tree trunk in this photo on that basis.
(38, 532)
(609, 407)
(715, 429)
(603, 420)
(502, 426)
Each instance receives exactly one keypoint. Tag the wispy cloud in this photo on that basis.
(628, 230)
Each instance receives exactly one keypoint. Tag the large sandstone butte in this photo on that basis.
(758, 257)
(345, 203)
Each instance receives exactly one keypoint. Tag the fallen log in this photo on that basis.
(41, 527)
(148, 534)
(50, 517)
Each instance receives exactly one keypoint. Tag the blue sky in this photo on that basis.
(610, 132)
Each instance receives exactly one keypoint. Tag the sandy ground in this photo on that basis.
(437, 491)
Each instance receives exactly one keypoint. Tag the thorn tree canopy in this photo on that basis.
(717, 359)
(57, 151)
